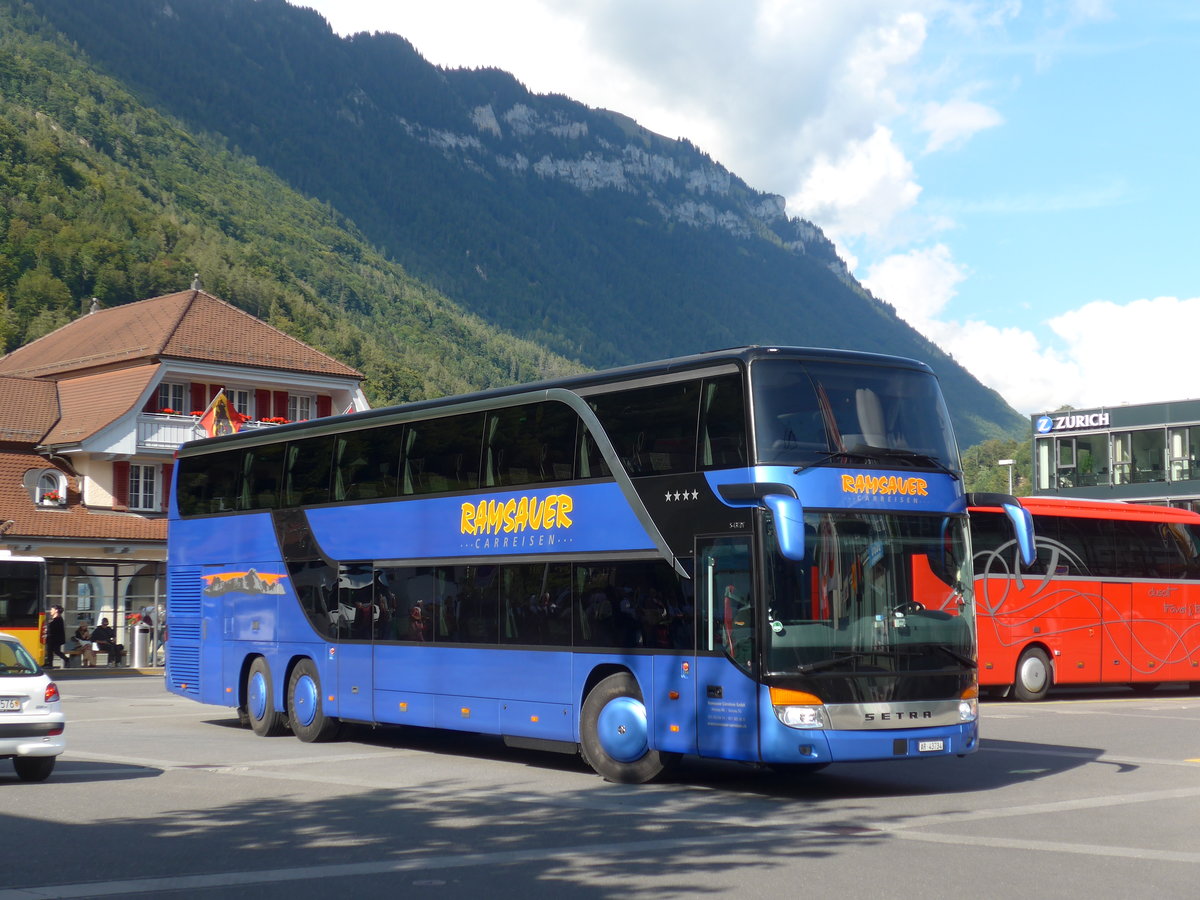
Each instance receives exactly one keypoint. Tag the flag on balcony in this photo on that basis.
(221, 418)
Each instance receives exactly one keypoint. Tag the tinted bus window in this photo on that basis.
(805, 409)
(443, 454)
(367, 463)
(632, 604)
(722, 423)
(306, 471)
(535, 601)
(653, 429)
(264, 472)
(210, 483)
(20, 594)
(529, 444)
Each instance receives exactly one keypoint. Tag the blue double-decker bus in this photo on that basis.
(758, 554)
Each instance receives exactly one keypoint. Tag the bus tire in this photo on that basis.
(614, 733)
(307, 718)
(1034, 675)
(265, 720)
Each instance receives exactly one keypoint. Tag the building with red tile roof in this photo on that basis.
(91, 414)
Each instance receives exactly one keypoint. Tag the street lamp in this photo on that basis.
(1008, 464)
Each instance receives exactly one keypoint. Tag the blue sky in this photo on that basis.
(1019, 179)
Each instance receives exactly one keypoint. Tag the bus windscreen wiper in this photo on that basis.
(956, 656)
(830, 455)
(884, 453)
(831, 663)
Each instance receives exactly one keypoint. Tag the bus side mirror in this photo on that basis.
(789, 524)
(1022, 521)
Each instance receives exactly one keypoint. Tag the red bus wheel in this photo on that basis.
(1034, 675)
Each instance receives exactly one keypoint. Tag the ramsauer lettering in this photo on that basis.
(884, 484)
(526, 513)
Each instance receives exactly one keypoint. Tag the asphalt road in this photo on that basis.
(1087, 795)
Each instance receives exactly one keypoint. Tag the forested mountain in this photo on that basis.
(571, 227)
(103, 197)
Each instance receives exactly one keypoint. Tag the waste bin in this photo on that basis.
(141, 647)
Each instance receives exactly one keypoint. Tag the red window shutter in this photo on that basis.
(262, 404)
(151, 404)
(324, 406)
(121, 484)
(280, 402)
(199, 397)
(168, 470)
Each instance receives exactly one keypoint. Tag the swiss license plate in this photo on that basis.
(10, 704)
(930, 746)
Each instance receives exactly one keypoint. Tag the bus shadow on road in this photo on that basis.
(997, 764)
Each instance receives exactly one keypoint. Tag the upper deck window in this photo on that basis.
(805, 410)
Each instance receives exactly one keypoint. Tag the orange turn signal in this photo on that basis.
(786, 697)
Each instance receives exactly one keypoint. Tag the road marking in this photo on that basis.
(1052, 847)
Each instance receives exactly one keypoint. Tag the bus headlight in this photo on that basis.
(798, 709)
(968, 710)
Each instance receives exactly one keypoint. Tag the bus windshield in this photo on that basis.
(877, 593)
(806, 412)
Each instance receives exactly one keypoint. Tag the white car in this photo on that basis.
(31, 715)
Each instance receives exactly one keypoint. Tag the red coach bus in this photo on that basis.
(1113, 597)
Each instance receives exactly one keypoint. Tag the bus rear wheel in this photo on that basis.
(307, 718)
(614, 733)
(1034, 675)
(265, 720)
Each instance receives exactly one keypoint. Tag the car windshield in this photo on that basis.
(15, 660)
(875, 592)
(807, 413)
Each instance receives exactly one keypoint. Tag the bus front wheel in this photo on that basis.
(614, 734)
(1034, 675)
(307, 718)
(265, 720)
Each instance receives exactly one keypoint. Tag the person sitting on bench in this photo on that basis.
(103, 635)
(83, 644)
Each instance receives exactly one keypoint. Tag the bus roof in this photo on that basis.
(1083, 508)
(658, 368)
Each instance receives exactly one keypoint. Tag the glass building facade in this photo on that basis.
(1143, 453)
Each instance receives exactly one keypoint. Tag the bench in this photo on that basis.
(78, 652)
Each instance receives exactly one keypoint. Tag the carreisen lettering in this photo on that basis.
(884, 485)
(516, 514)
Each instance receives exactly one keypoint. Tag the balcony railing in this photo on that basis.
(161, 431)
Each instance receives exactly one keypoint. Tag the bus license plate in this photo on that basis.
(10, 704)
(930, 746)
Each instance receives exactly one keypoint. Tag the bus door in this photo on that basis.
(357, 615)
(726, 694)
(1117, 615)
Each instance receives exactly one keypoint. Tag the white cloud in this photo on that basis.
(1140, 352)
(952, 123)
(918, 284)
(861, 191)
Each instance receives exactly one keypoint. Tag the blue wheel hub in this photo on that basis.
(622, 729)
(256, 696)
(305, 699)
